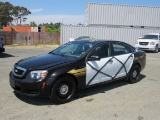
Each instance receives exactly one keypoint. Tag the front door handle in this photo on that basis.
(131, 56)
(111, 61)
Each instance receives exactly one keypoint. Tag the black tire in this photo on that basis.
(156, 49)
(63, 90)
(134, 74)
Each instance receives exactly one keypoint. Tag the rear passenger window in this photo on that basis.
(119, 49)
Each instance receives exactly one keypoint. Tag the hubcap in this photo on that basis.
(135, 74)
(64, 89)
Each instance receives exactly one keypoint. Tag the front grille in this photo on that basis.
(143, 43)
(19, 71)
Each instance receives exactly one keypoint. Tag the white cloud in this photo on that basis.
(36, 10)
(65, 19)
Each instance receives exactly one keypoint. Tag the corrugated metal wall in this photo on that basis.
(129, 35)
(127, 15)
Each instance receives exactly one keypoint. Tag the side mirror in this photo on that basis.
(92, 58)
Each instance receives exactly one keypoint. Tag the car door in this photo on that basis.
(99, 70)
(122, 59)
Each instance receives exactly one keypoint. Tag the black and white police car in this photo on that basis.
(76, 65)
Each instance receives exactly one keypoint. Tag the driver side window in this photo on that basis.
(102, 51)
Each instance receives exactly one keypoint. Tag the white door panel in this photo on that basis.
(121, 73)
(100, 72)
(122, 64)
(100, 78)
(90, 73)
(129, 63)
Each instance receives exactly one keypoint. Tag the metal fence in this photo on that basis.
(129, 35)
(10, 38)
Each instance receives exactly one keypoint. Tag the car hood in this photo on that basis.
(43, 61)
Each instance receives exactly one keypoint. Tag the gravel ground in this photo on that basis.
(114, 101)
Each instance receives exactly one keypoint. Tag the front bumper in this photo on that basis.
(145, 47)
(28, 87)
(2, 50)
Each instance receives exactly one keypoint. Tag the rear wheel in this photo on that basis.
(63, 90)
(134, 74)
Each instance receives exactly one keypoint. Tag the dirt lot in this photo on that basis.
(113, 101)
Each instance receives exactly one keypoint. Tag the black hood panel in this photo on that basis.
(43, 61)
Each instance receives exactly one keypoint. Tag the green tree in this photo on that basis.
(6, 10)
(8, 13)
(52, 27)
(32, 23)
(49, 30)
(20, 13)
(57, 25)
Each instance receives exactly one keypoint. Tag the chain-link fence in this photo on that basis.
(9, 38)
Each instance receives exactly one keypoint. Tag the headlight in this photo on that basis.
(152, 43)
(41, 74)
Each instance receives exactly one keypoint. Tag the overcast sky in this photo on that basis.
(67, 11)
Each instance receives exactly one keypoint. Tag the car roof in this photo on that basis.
(95, 41)
(100, 41)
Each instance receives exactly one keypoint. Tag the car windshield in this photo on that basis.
(73, 49)
(155, 37)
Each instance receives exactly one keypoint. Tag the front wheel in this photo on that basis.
(134, 74)
(63, 90)
(156, 49)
